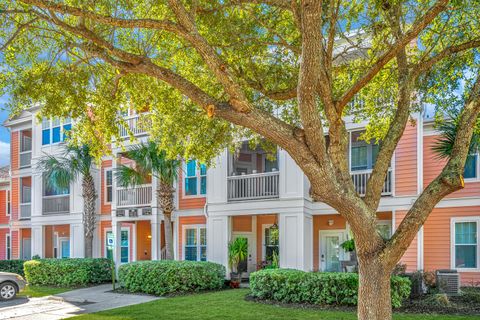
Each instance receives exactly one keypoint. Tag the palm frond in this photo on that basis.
(129, 177)
(58, 172)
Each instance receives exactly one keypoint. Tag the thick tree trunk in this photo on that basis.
(168, 236)
(165, 199)
(89, 197)
(374, 301)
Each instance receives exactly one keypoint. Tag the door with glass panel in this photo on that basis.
(249, 264)
(331, 253)
(124, 246)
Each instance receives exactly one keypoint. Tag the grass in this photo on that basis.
(230, 304)
(40, 291)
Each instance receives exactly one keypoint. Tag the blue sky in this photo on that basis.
(4, 134)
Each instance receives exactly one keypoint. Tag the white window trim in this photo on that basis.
(453, 221)
(130, 243)
(8, 211)
(184, 239)
(199, 182)
(7, 249)
(264, 243)
(50, 128)
(369, 152)
(477, 169)
(105, 185)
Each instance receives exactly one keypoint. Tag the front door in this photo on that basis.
(330, 251)
(26, 249)
(250, 264)
(64, 248)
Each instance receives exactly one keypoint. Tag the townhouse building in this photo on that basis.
(246, 194)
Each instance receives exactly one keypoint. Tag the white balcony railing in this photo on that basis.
(25, 159)
(360, 179)
(253, 186)
(56, 204)
(136, 196)
(136, 124)
(25, 210)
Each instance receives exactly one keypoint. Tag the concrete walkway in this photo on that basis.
(69, 304)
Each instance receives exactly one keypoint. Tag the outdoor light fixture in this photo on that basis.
(330, 222)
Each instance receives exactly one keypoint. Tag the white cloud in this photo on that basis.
(4, 153)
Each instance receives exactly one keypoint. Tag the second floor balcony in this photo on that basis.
(56, 204)
(360, 179)
(134, 196)
(135, 124)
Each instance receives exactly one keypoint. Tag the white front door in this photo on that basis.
(330, 251)
(252, 257)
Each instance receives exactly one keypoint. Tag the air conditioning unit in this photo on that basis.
(146, 211)
(133, 213)
(448, 282)
(120, 213)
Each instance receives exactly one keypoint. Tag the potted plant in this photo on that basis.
(237, 252)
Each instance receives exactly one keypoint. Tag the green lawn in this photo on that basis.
(38, 291)
(229, 304)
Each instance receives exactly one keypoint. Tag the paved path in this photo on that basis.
(69, 304)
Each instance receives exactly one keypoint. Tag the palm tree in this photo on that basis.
(448, 129)
(60, 172)
(151, 161)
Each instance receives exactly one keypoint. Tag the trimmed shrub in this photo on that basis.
(168, 276)
(68, 272)
(15, 266)
(295, 286)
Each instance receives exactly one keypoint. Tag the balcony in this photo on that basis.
(135, 125)
(253, 186)
(360, 179)
(25, 210)
(134, 197)
(56, 204)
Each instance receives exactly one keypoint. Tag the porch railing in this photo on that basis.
(136, 196)
(25, 210)
(135, 124)
(56, 204)
(360, 179)
(253, 186)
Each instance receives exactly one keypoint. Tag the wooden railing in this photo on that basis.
(360, 179)
(56, 204)
(253, 186)
(135, 196)
(135, 124)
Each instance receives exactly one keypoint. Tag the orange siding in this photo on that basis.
(182, 221)
(15, 245)
(194, 202)
(15, 197)
(15, 150)
(321, 223)
(436, 240)
(406, 163)
(262, 220)
(144, 241)
(242, 224)
(410, 256)
(432, 166)
(103, 226)
(3, 245)
(105, 208)
(4, 219)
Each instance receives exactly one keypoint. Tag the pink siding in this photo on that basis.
(437, 243)
(4, 219)
(406, 163)
(15, 197)
(15, 150)
(410, 256)
(432, 166)
(3, 245)
(15, 245)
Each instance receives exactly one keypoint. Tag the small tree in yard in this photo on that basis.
(151, 161)
(60, 171)
(283, 70)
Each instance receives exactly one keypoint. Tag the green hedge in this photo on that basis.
(68, 272)
(167, 277)
(294, 286)
(15, 266)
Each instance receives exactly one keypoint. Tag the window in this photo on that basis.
(55, 130)
(195, 248)
(384, 227)
(362, 154)
(471, 167)
(271, 242)
(108, 185)
(8, 247)
(466, 244)
(51, 190)
(124, 245)
(195, 178)
(8, 202)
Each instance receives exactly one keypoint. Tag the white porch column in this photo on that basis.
(155, 224)
(218, 236)
(97, 240)
(37, 241)
(296, 241)
(77, 240)
(117, 238)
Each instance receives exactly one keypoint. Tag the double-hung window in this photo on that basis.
(195, 178)
(362, 154)
(471, 167)
(466, 243)
(195, 244)
(55, 130)
(108, 185)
